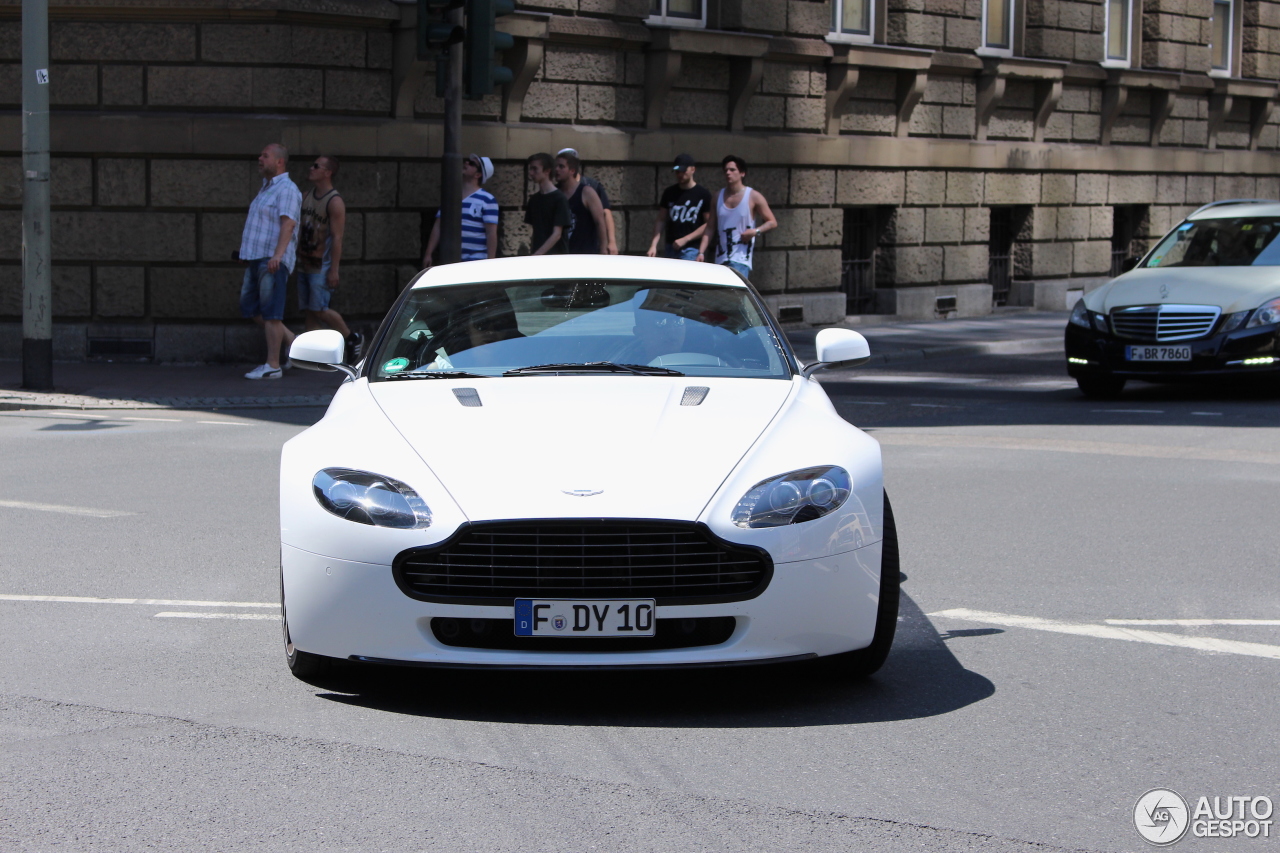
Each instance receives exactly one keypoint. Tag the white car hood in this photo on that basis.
(626, 438)
(1230, 288)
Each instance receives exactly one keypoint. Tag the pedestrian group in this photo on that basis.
(569, 213)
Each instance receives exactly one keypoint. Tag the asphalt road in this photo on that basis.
(1011, 715)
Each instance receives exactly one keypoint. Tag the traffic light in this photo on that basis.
(434, 33)
(482, 41)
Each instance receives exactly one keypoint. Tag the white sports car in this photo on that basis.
(584, 461)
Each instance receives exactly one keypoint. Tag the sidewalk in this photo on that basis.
(104, 385)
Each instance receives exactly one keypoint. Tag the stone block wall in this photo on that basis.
(1260, 48)
(252, 66)
(1176, 34)
(1065, 29)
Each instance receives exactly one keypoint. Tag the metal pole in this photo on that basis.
(37, 290)
(451, 162)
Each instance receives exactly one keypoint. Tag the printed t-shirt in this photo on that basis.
(685, 209)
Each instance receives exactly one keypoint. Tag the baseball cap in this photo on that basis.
(684, 161)
(573, 151)
(484, 164)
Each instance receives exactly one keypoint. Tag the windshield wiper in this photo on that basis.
(439, 374)
(592, 367)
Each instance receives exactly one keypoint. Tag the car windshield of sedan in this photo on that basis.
(580, 327)
(1220, 243)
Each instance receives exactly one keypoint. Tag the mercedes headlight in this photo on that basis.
(370, 499)
(793, 498)
(1265, 314)
(1086, 319)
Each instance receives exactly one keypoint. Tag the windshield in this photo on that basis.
(1220, 243)
(569, 327)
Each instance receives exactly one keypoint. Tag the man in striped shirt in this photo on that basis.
(479, 215)
(268, 245)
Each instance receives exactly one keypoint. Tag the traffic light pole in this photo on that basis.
(451, 161)
(37, 290)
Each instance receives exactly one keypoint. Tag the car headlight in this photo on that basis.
(793, 498)
(1086, 319)
(370, 499)
(1265, 314)
(1080, 315)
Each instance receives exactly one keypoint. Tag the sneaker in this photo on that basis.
(288, 364)
(355, 348)
(264, 371)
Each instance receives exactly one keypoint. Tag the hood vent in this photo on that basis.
(468, 397)
(694, 395)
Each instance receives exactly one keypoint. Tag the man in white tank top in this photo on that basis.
(733, 219)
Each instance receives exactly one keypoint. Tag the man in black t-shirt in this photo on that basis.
(547, 209)
(683, 212)
(612, 242)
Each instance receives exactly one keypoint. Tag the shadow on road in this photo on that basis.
(921, 679)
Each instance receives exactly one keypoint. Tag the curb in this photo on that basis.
(1027, 346)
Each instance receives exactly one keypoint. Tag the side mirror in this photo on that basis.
(1129, 263)
(839, 348)
(322, 349)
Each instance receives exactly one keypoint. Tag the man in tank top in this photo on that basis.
(734, 219)
(324, 219)
(612, 242)
(587, 226)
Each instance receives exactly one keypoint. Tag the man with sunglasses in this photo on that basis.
(324, 220)
(479, 215)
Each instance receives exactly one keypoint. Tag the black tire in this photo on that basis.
(1103, 387)
(861, 663)
(302, 664)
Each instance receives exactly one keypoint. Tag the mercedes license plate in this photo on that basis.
(556, 617)
(1154, 353)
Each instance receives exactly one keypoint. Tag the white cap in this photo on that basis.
(572, 151)
(486, 166)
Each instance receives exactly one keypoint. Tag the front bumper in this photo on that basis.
(344, 609)
(1216, 356)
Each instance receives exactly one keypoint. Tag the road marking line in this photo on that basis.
(162, 420)
(177, 615)
(224, 423)
(1106, 632)
(1129, 411)
(1193, 623)
(80, 415)
(1208, 414)
(1103, 448)
(933, 406)
(153, 602)
(67, 510)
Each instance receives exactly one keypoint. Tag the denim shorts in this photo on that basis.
(741, 269)
(313, 290)
(263, 292)
(688, 253)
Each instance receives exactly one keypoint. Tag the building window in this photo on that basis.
(1006, 224)
(1220, 38)
(678, 13)
(863, 229)
(997, 27)
(851, 20)
(1128, 223)
(1119, 23)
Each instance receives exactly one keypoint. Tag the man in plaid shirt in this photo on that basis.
(268, 245)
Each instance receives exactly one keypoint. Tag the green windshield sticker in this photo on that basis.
(395, 365)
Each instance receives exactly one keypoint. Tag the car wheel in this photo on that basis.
(861, 663)
(1104, 387)
(302, 664)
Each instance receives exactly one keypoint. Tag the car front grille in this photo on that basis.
(1164, 322)
(498, 562)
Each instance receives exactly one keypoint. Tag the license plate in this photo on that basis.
(1158, 353)
(555, 617)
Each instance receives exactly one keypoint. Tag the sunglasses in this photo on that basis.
(314, 166)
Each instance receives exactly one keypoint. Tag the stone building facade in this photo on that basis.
(924, 157)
